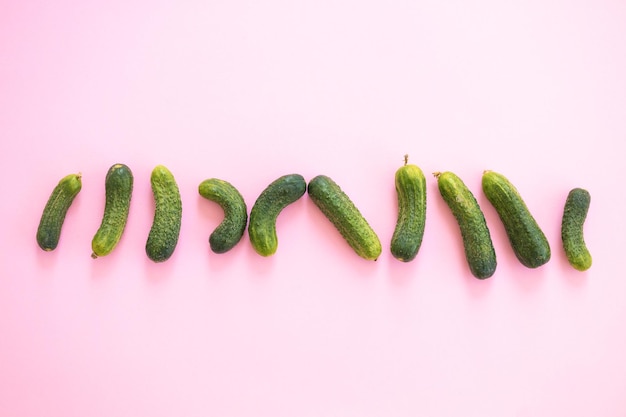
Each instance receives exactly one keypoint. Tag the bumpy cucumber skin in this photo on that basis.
(335, 204)
(479, 251)
(572, 236)
(268, 205)
(230, 231)
(528, 241)
(53, 216)
(118, 186)
(163, 236)
(407, 237)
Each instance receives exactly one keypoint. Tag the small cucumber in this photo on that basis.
(165, 229)
(53, 216)
(272, 200)
(574, 215)
(118, 185)
(230, 231)
(479, 251)
(335, 204)
(411, 193)
(528, 241)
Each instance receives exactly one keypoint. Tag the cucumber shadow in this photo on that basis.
(45, 259)
(158, 272)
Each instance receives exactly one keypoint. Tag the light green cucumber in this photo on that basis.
(407, 237)
(165, 230)
(528, 241)
(268, 205)
(335, 204)
(53, 216)
(477, 243)
(231, 229)
(118, 186)
(572, 236)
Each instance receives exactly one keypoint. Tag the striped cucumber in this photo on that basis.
(572, 236)
(479, 251)
(118, 186)
(53, 216)
(230, 231)
(335, 204)
(165, 230)
(268, 205)
(528, 241)
(407, 237)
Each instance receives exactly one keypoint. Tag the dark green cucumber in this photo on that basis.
(163, 236)
(479, 251)
(118, 185)
(528, 241)
(230, 231)
(572, 236)
(344, 215)
(407, 237)
(53, 216)
(268, 205)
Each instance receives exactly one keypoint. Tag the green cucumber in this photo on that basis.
(163, 236)
(574, 215)
(268, 205)
(53, 216)
(407, 237)
(477, 243)
(230, 231)
(335, 204)
(528, 241)
(118, 186)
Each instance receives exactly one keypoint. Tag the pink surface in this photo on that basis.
(249, 91)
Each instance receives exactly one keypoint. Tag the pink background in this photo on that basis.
(248, 91)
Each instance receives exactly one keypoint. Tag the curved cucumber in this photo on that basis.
(53, 216)
(230, 231)
(407, 237)
(343, 214)
(528, 241)
(118, 186)
(574, 215)
(165, 229)
(272, 200)
(479, 251)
